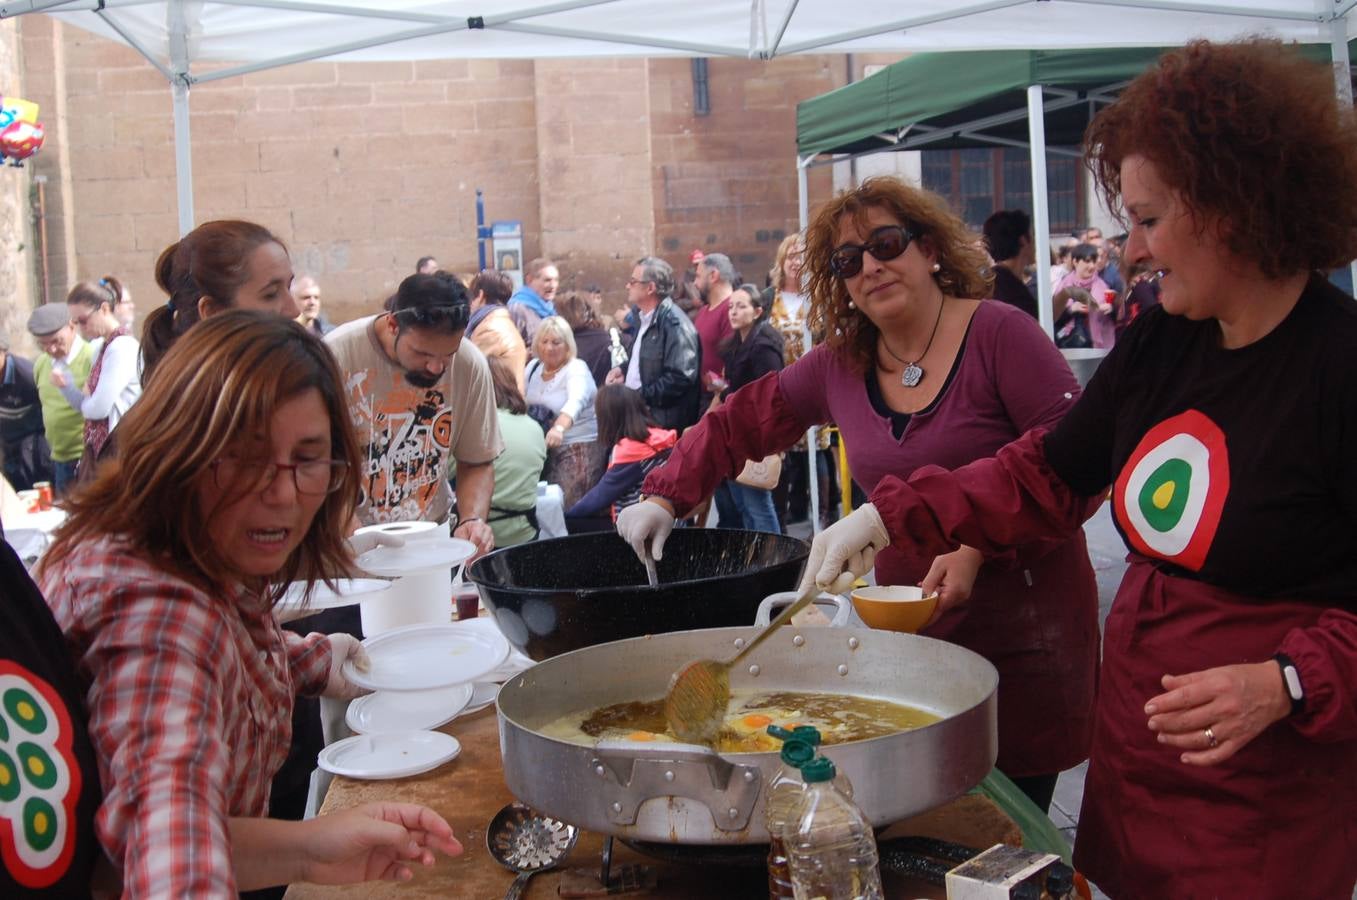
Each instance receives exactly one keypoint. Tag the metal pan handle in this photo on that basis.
(629, 774)
(773, 602)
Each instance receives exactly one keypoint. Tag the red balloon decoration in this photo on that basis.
(20, 140)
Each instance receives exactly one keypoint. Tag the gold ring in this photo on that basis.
(1210, 737)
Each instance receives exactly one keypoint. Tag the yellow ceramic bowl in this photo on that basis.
(894, 607)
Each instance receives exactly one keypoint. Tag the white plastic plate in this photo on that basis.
(375, 756)
(423, 657)
(416, 556)
(390, 712)
(484, 694)
(517, 662)
(347, 592)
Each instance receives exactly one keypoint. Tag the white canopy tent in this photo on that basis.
(195, 41)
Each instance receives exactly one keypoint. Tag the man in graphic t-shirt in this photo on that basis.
(420, 395)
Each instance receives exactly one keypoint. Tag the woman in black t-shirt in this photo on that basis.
(1224, 761)
(48, 777)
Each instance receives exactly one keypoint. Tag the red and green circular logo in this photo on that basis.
(39, 778)
(1170, 493)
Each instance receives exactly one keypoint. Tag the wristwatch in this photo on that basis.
(1291, 679)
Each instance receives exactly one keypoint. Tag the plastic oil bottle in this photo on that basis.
(780, 808)
(831, 849)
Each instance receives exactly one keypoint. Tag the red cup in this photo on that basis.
(44, 489)
(468, 604)
(1109, 296)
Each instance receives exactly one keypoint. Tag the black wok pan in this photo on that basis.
(550, 597)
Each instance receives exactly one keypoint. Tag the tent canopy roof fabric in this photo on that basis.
(181, 35)
(935, 100)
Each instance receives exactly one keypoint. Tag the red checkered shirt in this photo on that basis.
(190, 705)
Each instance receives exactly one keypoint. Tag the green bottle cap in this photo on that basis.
(808, 733)
(797, 753)
(818, 769)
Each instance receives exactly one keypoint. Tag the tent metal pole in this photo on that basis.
(334, 50)
(445, 25)
(9, 10)
(1041, 217)
(959, 12)
(179, 85)
(929, 135)
(1342, 70)
(802, 195)
(1342, 76)
(812, 476)
(183, 158)
(356, 11)
(631, 40)
(135, 44)
(782, 29)
(1020, 145)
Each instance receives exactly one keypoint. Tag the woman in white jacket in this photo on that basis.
(560, 381)
(115, 378)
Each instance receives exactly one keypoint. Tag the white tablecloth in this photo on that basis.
(550, 511)
(30, 533)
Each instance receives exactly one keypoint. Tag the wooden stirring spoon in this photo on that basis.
(700, 691)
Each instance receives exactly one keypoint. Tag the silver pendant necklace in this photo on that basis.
(913, 373)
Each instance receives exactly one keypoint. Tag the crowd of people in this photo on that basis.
(233, 445)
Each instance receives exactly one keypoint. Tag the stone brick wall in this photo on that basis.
(361, 168)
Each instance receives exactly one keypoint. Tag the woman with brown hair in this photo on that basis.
(518, 468)
(917, 371)
(560, 381)
(236, 475)
(634, 444)
(788, 313)
(114, 382)
(221, 265)
(592, 343)
(1224, 761)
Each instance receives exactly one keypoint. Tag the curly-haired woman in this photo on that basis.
(917, 371)
(1224, 761)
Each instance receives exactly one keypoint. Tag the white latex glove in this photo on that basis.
(362, 543)
(845, 551)
(342, 648)
(646, 521)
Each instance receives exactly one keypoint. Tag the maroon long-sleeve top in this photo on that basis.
(1033, 612)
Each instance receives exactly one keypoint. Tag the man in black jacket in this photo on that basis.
(22, 443)
(666, 354)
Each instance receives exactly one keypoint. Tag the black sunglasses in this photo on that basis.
(885, 243)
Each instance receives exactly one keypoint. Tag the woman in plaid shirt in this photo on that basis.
(235, 475)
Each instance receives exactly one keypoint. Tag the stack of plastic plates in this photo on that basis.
(374, 756)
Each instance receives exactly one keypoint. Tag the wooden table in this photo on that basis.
(469, 791)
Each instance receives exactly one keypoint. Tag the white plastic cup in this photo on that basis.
(418, 599)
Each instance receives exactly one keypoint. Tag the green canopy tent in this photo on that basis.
(1035, 99)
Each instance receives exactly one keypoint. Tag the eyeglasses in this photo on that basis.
(631, 282)
(317, 476)
(885, 243)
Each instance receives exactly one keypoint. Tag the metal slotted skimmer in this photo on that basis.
(522, 839)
